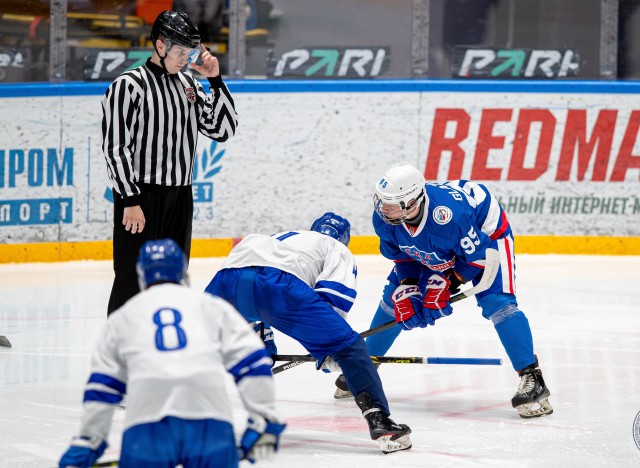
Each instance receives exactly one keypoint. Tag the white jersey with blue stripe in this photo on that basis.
(322, 262)
(169, 349)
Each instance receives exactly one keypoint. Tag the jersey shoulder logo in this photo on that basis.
(191, 95)
(442, 214)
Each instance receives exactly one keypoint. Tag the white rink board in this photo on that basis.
(297, 155)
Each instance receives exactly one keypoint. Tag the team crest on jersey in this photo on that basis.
(428, 259)
(442, 214)
(191, 94)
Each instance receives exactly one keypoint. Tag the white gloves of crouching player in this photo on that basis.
(260, 439)
(327, 364)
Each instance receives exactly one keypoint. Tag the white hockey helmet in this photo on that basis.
(397, 192)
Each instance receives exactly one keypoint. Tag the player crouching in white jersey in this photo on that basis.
(437, 234)
(168, 348)
(303, 283)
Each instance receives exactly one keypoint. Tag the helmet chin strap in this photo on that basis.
(162, 58)
(415, 221)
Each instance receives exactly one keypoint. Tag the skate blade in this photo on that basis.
(341, 394)
(536, 409)
(389, 446)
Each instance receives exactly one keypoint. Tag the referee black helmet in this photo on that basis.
(177, 28)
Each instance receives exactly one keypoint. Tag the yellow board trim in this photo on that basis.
(360, 245)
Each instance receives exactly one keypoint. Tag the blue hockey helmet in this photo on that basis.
(160, 261)
(332, 225)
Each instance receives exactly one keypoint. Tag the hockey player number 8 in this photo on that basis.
(169, 335)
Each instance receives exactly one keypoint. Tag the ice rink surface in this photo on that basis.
(585, 316)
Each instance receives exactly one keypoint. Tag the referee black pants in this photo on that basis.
(168, 213)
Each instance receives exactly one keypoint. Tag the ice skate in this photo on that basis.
(392, 437)
(342, 390)
(531, 399)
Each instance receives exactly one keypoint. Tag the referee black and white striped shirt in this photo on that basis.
(150, 127)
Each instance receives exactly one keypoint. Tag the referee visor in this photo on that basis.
(181, 53)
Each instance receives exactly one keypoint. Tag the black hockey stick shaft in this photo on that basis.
(404, 360)
(104, 464)
(364, 334)
(492, 264)
(295, 361)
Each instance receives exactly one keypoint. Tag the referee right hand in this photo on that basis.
(133, 219)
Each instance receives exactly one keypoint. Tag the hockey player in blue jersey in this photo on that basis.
(169, 348)
(303, 283)
(438, 236)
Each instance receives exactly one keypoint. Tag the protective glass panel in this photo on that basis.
(629, 39)
(24, 45)
(505, 39)
(107, 37)
(511, 39)
(330, 39)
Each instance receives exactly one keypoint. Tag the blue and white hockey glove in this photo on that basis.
(266, 335)
(327, 364)
(407, 306)
(437, 296)
(83, 453)
(260, 440)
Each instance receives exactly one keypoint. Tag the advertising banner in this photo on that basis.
(560, 164)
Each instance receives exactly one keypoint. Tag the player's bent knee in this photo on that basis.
(496, 307)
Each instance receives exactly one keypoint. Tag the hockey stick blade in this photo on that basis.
(405, 360)
(106, 463)
(4, 342)
(492, 264)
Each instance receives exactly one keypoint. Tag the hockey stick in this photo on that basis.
(105, 464)
(492, 264)
(4, 342)
(404, 360)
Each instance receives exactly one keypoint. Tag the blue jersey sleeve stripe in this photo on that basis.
(248, 363)
(336, 301)
(286, 236)
(261, 370)
(108, 381)
(102, 397)
(339, 288)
